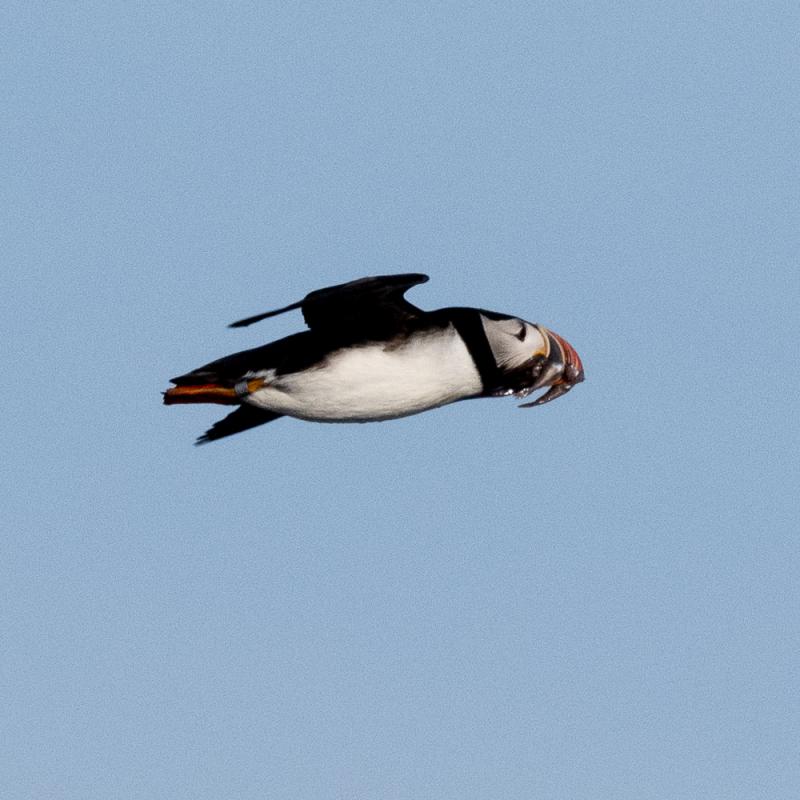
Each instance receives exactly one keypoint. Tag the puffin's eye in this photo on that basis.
(522, 334)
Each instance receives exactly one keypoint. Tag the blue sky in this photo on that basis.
(593, 599)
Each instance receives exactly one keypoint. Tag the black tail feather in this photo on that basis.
(244, 418)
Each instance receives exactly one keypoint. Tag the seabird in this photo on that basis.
(370, 355)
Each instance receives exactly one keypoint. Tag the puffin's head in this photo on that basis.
(531, 357)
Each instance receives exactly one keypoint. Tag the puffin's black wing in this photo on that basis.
(363, 304)
(244, 418)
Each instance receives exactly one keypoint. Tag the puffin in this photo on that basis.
(370, 355)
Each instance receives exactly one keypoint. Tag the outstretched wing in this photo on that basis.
(244, 418)
(367, 304)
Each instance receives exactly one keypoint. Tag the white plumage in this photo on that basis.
(376, 381)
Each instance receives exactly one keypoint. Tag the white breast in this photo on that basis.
(376, 381)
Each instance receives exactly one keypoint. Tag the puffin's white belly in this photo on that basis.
(376, 381)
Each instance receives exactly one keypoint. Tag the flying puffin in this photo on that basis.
(370, 355)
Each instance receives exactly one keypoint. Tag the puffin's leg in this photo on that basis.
(211, 393)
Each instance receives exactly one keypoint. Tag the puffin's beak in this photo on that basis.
(561, 369)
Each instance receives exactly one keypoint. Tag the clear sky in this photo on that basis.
(593, 599)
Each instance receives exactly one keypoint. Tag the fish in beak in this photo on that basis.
(559, 367)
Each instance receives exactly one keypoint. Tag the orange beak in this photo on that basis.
(562, 369)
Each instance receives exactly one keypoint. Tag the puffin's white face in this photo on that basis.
(514, 341)
(531, 357)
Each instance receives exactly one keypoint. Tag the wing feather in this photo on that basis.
(368, 304)
(244, 418)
